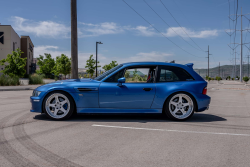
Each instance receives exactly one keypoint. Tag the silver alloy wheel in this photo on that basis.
(181, 106)
(57, 105)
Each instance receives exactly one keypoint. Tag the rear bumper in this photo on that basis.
(203, 102)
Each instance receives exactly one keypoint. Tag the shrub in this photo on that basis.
(209, 79)
(212, 79)
(218, 78)
(232, 78)
(246, 79)
(6, 80)
(36, 79)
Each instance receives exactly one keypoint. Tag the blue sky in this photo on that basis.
(126, 36)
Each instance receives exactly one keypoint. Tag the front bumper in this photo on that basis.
(36, 103)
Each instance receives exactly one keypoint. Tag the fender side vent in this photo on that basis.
(84, 89)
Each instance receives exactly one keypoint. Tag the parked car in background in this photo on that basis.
(140, 87)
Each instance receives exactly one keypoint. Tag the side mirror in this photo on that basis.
(121, 80)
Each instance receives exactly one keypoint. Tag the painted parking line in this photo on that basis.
(225, 106)
(167, 130)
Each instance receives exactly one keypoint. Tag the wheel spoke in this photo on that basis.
(173, 103)
(182, 111)
(57, 99)
(63, 110)
(185, 104)
(175, 111)
(56, 111)
(51, 105)
(64, 102)
(180, 99)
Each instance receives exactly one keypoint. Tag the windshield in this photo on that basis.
(104, 75)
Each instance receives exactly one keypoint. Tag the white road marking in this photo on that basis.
(224, 106)
(167, 130)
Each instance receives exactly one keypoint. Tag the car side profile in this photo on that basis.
(175, 90)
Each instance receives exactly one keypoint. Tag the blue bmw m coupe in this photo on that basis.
(175, 90)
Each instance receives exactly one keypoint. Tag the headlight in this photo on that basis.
(36, 93)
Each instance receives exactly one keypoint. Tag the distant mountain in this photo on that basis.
(226, 70)
(131, 73)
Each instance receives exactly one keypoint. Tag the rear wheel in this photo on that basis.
(179, 106)
(58, 105)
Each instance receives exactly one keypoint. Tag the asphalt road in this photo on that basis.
(219, 136)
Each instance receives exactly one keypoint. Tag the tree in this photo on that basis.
(110, 65)
(246, 79)
(16, 64)
(127, 73)
(91, 65)
(62, 65)
(46, 65)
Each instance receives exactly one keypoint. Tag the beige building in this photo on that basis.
(10, 41)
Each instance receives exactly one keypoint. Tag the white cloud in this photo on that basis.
(54, 29)
(191, 33)
(41, 28)
(144, 56)
(101, 29)
(144, 31)
(151, 56)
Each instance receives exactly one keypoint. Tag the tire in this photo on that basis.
(179, 106)
(58, 105)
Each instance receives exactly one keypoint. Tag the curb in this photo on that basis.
(17, 89)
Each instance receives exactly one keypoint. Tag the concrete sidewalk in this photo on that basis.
(18, 88)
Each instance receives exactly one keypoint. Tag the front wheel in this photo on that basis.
(179, 107)
(58, 105)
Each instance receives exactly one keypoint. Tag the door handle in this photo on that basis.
(147, 89)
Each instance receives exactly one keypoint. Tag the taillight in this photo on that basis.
(204, 91)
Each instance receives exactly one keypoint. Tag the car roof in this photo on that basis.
(154, 63)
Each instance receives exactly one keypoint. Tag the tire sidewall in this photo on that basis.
(72, 106)
(166, 107)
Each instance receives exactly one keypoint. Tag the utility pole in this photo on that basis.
(241, 51)
(74, 47)
(235, 66)
(241, 43)
(208, 61)
(219, 69)
(248, 66)
(96, 57)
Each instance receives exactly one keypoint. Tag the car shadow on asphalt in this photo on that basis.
(141, 118)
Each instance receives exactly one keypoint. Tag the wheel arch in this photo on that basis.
(59, 91)
(192, 96)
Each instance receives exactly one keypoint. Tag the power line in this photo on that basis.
(236, 21)
(168, 24)
(158, 30)
(247, 32)
(181, 26)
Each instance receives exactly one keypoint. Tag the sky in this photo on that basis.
(128, 36)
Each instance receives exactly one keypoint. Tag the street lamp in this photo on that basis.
(96, 55)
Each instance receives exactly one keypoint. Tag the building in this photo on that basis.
(27, 48)
(10, 41)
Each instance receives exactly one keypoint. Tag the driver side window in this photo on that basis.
(115, 77)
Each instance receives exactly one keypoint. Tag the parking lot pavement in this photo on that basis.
(217, 137)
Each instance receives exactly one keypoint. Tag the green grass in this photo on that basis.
(35, 79)
(9, 81)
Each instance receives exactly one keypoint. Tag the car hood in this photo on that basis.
(68, 85)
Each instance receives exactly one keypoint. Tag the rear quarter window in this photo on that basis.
(173, 74)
